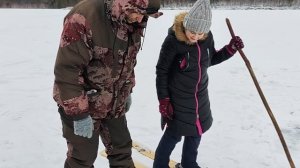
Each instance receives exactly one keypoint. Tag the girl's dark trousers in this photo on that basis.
(168, 143)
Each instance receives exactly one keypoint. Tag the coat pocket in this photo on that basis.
(184, 62)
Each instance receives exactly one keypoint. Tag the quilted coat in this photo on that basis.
(182, 76)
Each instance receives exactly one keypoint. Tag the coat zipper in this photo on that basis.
(198, 124)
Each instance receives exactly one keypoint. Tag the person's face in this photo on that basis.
(193, 37)
(135, 17)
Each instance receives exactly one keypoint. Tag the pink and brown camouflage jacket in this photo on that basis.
(94, 69)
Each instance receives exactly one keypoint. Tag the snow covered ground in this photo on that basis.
(242, 135)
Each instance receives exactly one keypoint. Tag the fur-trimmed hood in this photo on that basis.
(179, 29)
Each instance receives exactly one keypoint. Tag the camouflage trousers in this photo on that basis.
(82, 152)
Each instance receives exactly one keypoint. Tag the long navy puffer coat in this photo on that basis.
(182, 76)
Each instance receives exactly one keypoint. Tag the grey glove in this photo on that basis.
(84, 127)
(128, 103)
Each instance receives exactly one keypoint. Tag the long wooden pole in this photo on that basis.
(288, 155)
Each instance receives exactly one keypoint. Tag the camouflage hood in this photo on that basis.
(119, 9)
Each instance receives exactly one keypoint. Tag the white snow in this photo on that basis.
(242, 135)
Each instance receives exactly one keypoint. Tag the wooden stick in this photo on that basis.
(263, 99)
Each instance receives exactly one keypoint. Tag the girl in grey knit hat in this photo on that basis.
(182, 83)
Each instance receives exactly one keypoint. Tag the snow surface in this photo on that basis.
(242, 135)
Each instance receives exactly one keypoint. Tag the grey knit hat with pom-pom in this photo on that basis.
(198, 19)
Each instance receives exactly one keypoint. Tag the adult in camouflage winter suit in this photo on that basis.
(94, 76)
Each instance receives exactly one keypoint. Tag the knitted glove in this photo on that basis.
(128, 103)
(166, 108)
(235, 44)
(84, 127)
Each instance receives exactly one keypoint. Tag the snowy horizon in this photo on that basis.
(242, 134)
